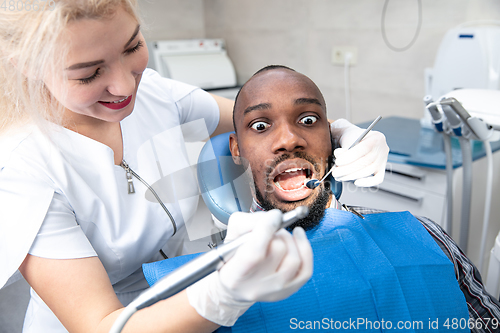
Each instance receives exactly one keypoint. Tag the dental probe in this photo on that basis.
(313, 183)
(195, 270)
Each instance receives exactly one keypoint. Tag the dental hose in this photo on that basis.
(449, 184)
(487, 201)
(465, 145)
(442, 127)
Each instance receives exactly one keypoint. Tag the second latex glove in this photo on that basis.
(268, 267)
(365, 163)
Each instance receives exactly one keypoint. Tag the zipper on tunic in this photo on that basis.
(129, 173)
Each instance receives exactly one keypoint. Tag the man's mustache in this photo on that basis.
(272, 164)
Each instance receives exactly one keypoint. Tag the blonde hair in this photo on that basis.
(31, 47)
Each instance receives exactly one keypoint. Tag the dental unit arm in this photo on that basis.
(476, 110)
(471, 127)
(468, 114)
(438, 120)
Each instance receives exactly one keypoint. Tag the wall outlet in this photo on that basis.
(339, 53)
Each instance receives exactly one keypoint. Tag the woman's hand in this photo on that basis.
(269, 267)
(365, 163)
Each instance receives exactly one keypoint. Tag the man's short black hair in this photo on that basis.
(264, 69)
(271, 67)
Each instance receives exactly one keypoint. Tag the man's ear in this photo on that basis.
(234, 148)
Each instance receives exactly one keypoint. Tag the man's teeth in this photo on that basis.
(293, 170)
(295, 189)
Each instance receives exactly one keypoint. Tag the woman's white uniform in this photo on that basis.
(62, 196)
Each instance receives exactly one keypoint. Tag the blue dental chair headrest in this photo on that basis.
(224, 185)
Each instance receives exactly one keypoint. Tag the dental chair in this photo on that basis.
(226, 189)
(493, 278)
(225, 186)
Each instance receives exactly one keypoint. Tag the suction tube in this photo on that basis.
(449, 184)
(465, 145)
(487, 202)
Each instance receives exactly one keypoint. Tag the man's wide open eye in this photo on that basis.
(309, 120)
(260, 126)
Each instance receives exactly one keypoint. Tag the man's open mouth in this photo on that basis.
(288, 179)
(292, 179)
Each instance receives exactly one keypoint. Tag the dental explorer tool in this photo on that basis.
(313, 183)
(195, 270)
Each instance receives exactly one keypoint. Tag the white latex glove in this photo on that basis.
(267, 268)
(365, 163)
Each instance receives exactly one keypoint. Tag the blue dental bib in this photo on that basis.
(378, 274)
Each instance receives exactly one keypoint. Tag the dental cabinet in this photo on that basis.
(415, 180)
(200, 62)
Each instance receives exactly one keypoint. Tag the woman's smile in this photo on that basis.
(118, 104)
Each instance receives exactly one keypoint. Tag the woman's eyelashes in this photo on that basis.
(97, 73)
(91, 78)
(135, 48)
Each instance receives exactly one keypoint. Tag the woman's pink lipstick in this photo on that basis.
(117, 105)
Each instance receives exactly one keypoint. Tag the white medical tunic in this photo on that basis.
(62, 196)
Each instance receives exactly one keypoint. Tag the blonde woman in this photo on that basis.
(85, 130)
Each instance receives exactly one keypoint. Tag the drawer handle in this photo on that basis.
(404, 174)
(417, 199)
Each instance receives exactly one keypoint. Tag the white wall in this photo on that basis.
(301, 34)
(172, 19)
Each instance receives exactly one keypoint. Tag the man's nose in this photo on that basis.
(287, 139)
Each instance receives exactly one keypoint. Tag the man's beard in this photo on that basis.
(316, 209)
